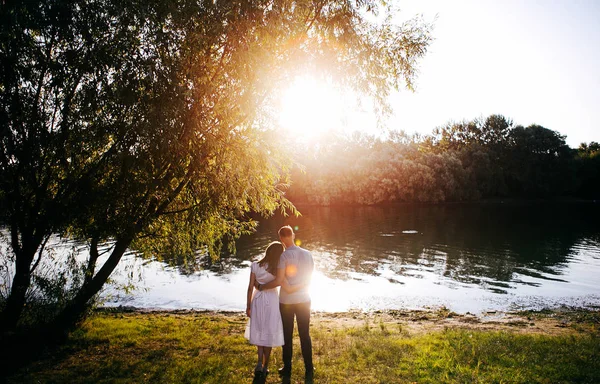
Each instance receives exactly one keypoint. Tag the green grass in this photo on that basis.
(204, 348)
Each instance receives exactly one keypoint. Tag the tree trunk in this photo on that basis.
(16, 299)
(74, 311)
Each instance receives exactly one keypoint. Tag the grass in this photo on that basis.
(210, 348)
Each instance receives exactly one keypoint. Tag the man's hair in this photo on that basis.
(286, 231)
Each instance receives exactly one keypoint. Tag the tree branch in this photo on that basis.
(46, 238)
(91, 266)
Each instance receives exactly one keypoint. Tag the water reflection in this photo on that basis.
(492, 246)
(414, 256)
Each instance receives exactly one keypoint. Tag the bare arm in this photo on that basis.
(276, 282)
(249, 292)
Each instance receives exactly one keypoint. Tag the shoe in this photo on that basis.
(285, 371)
(309, 377)
(258, 373)
(265, 372)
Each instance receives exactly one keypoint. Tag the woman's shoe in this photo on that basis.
(265, 372)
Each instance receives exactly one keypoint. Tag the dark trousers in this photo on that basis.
(302, 313)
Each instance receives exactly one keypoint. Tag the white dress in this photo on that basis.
(264, 327)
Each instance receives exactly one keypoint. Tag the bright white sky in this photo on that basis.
(536, 62)
(532, 61)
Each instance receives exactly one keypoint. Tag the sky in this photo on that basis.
(536, 62)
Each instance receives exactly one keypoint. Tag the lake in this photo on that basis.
(466, 257)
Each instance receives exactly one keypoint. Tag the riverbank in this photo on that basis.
(130, 345)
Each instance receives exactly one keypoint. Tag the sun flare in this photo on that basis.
(310, 107)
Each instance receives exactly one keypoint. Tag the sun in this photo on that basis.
(310, 107)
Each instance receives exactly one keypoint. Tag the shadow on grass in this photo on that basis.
(260, 379)
(20, 349)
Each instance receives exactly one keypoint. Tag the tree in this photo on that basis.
(540, 163)
(588, 170)
(481, 158)
(147, 123)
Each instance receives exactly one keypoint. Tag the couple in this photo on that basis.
(271, 315)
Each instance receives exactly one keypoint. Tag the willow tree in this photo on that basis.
(150, 124)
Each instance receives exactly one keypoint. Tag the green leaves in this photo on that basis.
(129, 111)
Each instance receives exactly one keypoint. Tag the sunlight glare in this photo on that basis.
(310, 107)
(330, 294)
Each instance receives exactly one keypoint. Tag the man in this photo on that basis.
(296, 265)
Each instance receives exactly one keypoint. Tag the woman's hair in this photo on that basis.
(271, 257)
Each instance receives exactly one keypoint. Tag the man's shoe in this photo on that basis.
(285, 371)
(309, 377)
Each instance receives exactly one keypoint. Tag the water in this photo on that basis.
(467, 257)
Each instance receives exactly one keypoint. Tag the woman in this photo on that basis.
(265, 329)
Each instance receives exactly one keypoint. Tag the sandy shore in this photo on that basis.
(559, 321)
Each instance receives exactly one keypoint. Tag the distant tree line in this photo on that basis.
(464, 161)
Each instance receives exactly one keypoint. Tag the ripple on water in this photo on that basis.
(466, 257)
